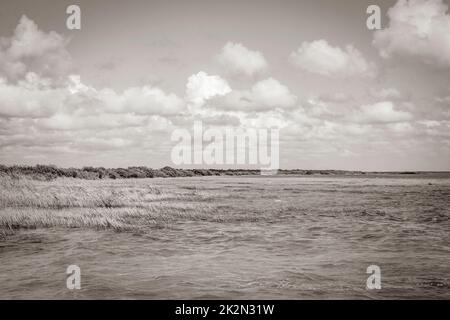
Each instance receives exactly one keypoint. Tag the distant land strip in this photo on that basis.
(50, 172)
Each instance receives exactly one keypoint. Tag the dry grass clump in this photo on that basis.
(73, 203)
(70, 193)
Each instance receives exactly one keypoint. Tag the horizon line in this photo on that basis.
(223, 169)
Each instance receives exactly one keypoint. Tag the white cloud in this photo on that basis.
(417, 28)
(201, 87)
(64, 121)
(31, 97)
(381, 112)
(264, 95)
(238, 59)
(32, 50)
(272, 119)
(44, 109)
(35, 97)
(321, 58)
(144, 100)
(271, 93)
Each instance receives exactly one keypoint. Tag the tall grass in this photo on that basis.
(73, 203)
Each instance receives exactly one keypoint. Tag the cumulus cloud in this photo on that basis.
(144, 100)
(322, 58)
(381, 112)
(201, 87)
(32, 97)
(64, 121)
(264, 95)
(32, 50)
(417, 28)
(271, 119)
(238, 59)
(271, 92)
(45, 109)
(35, 97)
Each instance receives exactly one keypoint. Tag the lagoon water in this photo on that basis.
(275, 238)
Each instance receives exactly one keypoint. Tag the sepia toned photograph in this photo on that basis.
(224, 150)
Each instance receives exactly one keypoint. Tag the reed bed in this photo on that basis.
(102, 204)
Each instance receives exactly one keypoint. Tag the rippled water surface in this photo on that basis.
(271, 237)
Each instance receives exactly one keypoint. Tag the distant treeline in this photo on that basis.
(50, 172)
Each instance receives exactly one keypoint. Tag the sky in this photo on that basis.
(112, 93)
